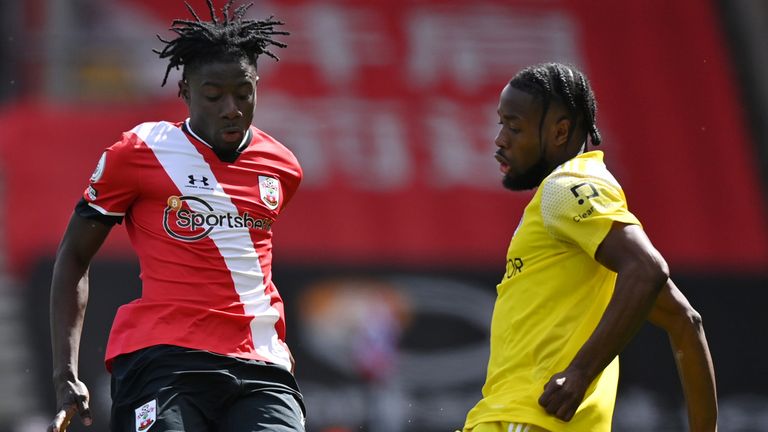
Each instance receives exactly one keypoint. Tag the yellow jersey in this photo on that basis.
(551, 298)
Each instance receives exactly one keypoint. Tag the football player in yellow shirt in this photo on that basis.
(581, 275)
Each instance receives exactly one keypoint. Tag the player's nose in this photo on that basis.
(499, 141)
(229, 108)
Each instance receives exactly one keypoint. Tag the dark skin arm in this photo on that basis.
(69, 296)
(643, 291)
(683, 325)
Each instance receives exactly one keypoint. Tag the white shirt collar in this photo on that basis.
(242, 146)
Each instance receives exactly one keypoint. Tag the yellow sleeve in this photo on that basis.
(581, 210)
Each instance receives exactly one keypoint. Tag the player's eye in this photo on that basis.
(511, 128)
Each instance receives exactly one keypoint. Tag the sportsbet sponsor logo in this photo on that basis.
(185, 224)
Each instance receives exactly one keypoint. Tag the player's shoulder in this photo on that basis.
(586, 167)
(267, 143)
(132, 139)
(583, 177)
(266, 140)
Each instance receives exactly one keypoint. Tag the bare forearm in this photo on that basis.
(673, 313)
(634, 295)
(69, 296)
(69, 291)
(697, 375)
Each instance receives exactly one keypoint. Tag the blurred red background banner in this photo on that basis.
(390, 107)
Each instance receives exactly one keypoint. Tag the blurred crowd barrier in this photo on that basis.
(389, 254)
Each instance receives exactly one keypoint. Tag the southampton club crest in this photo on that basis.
(270, 191)
(146, 415)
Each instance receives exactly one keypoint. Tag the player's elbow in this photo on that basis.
(692, 319)
(685, 322)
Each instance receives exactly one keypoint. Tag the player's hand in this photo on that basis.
(563, 394)
(72, 398)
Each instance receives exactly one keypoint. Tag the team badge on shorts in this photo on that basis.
(146, 415)
(270, 191)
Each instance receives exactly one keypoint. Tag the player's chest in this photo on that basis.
(530, 235)
(531, 245)
(195, 197)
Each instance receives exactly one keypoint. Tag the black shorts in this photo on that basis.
(168, 388)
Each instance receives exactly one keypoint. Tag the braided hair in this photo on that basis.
(223, 38)
(565, 84)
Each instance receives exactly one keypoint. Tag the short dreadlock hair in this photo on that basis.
(228, 38)
(564, 84)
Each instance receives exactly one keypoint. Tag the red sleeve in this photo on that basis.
(292, 183)
(114, 184)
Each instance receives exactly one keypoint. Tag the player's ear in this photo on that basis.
(184, 90)
(562, 131)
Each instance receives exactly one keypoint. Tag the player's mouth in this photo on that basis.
(503, 162)
(232, 134)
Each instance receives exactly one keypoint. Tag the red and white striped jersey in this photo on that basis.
(202, 230)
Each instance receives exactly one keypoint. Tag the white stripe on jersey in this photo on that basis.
(103, 211)
(179, 157)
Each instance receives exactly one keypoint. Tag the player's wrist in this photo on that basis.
(64, 375)
(582, 370)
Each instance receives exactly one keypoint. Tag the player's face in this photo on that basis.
(520, 150)
(221, 97)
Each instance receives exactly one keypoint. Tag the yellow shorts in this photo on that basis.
(505, 427)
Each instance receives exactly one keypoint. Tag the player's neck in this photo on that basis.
(225, 153)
